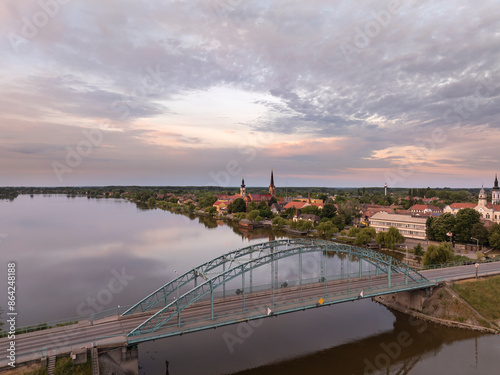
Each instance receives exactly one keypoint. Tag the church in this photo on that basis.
(488, 211)
(257, 198)
(224, 200)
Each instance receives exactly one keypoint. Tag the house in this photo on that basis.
(308, 217)
(221, 206)
(276, 208)
(296, 205)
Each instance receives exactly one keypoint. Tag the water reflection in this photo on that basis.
(396, 352)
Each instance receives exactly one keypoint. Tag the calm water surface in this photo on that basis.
(68, 250)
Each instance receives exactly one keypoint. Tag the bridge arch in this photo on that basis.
(173, 310)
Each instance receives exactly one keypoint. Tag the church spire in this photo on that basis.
(496, 182)
(243, 190)
(272, 188)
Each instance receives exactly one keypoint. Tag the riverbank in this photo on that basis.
(461, 305)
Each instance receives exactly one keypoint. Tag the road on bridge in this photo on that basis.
(112, 331)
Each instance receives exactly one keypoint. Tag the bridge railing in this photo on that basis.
(282, 302)
(463, 263)
(69, 321)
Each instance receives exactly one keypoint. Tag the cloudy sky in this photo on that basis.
(328, 93)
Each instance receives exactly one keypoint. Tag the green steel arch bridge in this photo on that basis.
(253, 282)
(223, 291)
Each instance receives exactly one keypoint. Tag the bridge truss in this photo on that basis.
(204, 283)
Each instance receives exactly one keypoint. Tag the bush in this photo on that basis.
(353, 232)
(418, 250)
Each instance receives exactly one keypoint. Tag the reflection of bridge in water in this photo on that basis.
(394, 352)
(254, 282)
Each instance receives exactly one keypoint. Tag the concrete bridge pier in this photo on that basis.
(123, 360)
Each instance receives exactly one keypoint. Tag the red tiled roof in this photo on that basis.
(459, 206)
(297, 205)
(259, 197)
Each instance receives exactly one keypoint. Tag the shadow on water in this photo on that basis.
(394, 352)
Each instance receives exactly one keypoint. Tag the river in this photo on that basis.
(69, 250)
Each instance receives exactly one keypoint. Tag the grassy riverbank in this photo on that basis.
(483, 295)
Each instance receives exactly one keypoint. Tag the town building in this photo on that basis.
(489, 211)
(409, 226)
(425, 210)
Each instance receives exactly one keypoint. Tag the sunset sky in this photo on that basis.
(328, 93)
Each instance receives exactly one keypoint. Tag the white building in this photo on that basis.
(409, 226)
(488, 211)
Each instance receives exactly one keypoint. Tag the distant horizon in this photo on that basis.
(247, 186)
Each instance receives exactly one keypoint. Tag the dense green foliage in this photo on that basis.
(438, 254)
(390, 238)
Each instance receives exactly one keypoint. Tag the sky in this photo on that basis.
(326, 92)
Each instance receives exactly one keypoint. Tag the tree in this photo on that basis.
(438, 254)
(272, 201)
(329, 210)
(304, 225)
(238, 205)
(313, 210)
(254, 215)
(207, 200)
(465, 220)
(365, 236)
(479, 232)
(417, 250)
(390, 238)
(252, 206)
(349, 211)
(353, 232)
(326, 228)
(211, 211)
(279, 221)
(442, 225)
(323, 197)
(494, 237)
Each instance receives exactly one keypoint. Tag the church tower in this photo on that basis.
(495, 194)
(483, 198)
(243, 190)
(272, 188)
